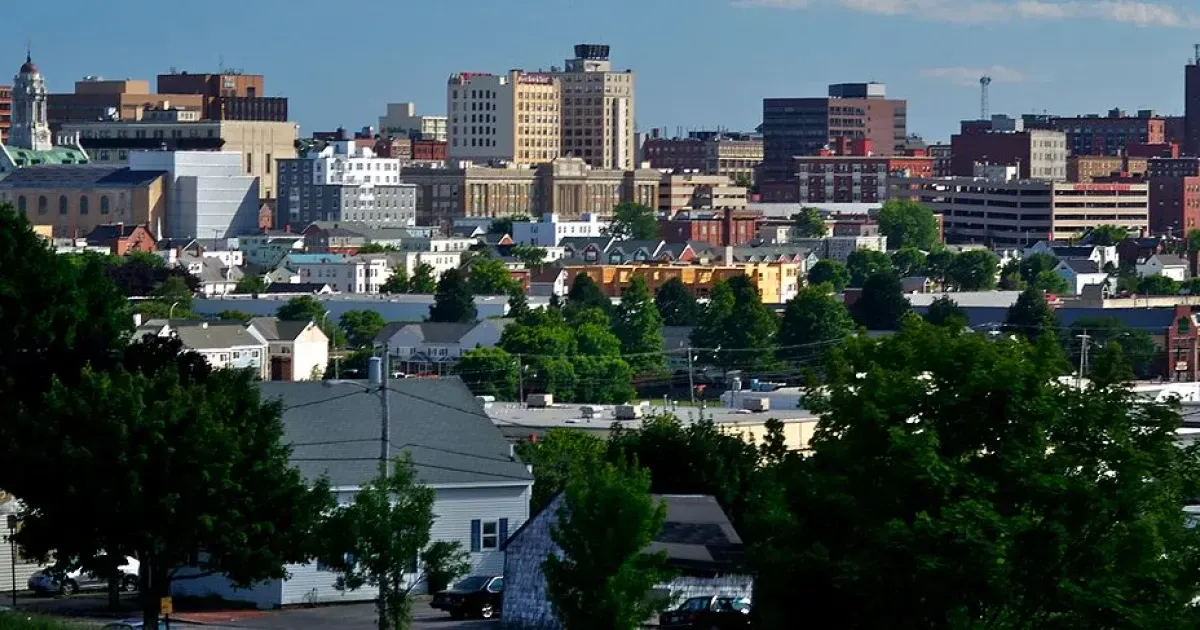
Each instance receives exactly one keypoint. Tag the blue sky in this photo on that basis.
(700, 63)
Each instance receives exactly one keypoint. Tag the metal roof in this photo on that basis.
(78, 175)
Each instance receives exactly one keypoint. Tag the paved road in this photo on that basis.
(350, 617)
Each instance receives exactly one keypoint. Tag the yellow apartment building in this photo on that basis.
(70, 200)
(777, 282)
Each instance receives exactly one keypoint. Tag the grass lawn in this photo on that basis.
(21, 621)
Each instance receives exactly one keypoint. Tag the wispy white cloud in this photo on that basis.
(963, 75)
(1147, 13)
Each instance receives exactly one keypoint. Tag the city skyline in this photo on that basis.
(930, 52)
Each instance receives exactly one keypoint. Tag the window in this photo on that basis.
(249, 162)
(62, 204)
(487, 535)
(348, 558)
(43, 204)
(268, 164)
(83, 205)
(104, 204)
(21, 204)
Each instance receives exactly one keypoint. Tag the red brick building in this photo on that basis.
(1039, 153)
(5, 111)
(1183, 353)
(429, 150)
(1111, 134)
(857, 176)
(122, 239)
(1174, 195)
(678, 154)
(711, 228)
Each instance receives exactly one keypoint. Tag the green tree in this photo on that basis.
(831, 272)
(1010, 276)
(423, 281)
(375, 248)
(863, 263)
(1106, 235)
(808, 223)
(676, 304)
(1051, 508)
(907, 223)
(307, 308)
(1031, 317)
(973, 270)
(174, 290)
(144, 258)
(453, 301)
(397, 282)
(633, 222)
(882, 304)
(1138, 349)
(909, 261)
(1111, 366)
(374, 540)
(504, 225)
(938, 263)
(518, 302)
(1158, 285)
(230, 315)
(584, 293)
(251, 284)
(556, 457)
(1193, 240)
(488, 275)
(202, 465)
(602, 379)
(639, 326)
(1037, 270)
(946, 312)
(738, 331)
(361, 326)
(813, 323)
(444, 562)
(489, 372)
(532, 257)
(595, 338)
(604, 576)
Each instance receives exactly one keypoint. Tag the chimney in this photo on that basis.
(727, 237)
(728, 255)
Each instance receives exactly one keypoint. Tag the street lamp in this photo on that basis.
(171, 311)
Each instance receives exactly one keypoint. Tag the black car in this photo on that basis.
(708, 613)
(476, 596)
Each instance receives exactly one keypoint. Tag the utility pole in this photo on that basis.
(520, 381)
(385, 434)
(691, 380)
(1083, 352)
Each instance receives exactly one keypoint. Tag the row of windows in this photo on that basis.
(43, 205)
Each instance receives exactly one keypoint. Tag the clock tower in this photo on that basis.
(30, 128)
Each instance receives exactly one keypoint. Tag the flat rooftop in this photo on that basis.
(560, 416)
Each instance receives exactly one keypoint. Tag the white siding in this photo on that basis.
(24, 569)
(311, 350)
(264, 595)
(453, 510)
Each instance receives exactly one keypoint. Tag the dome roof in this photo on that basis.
(28, 67)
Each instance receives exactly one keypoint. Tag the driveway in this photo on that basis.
(349, 617)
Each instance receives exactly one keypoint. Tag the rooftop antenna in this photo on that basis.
(221, 64)
(1196, 58)
(984, 82)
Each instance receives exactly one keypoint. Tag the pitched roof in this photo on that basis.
(78, 175)
(437, 421)
(275, 329)
(1171, 260)
(215, 335)
(25, 158)
(294, 288)
(581, 242)
(697, 534)
(546, 274)
(110, 231)
(1073, 251)
(1081, 265)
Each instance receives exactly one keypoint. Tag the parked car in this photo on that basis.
(131, 624)
(52, 582)
(476, 596)
(709, 613)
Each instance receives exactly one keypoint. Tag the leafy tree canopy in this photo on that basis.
(808, 223)
(907, 223)
(909, 261)
(1106, 235)
(813, 323)
(830, 272)
(633, 222)
(676, 304)
(882, 304)
(639, 327)
(361, 326)
(453, 301)
(864, 263)
(944, 311)
(973, 270)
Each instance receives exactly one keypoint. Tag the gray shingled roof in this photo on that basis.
(697, 534)
(275, 329)
(213, 335)
(78, 175)
(334, 429)
(1081, 265)
(1171, 260)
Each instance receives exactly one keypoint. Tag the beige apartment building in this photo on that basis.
(1010, 212)
(70, 200)
(503, 118)
(1084, 169)
(261, 143)
(566, 186)
(597, 110)
(736, 159)
(691, 191)
(127, 99)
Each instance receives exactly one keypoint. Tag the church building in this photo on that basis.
(30, 142)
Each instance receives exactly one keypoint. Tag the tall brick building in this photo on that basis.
(859, 177)
(795, 127)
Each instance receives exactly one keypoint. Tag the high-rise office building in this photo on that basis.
(794, 127)
(512, 117)
(597, 110)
